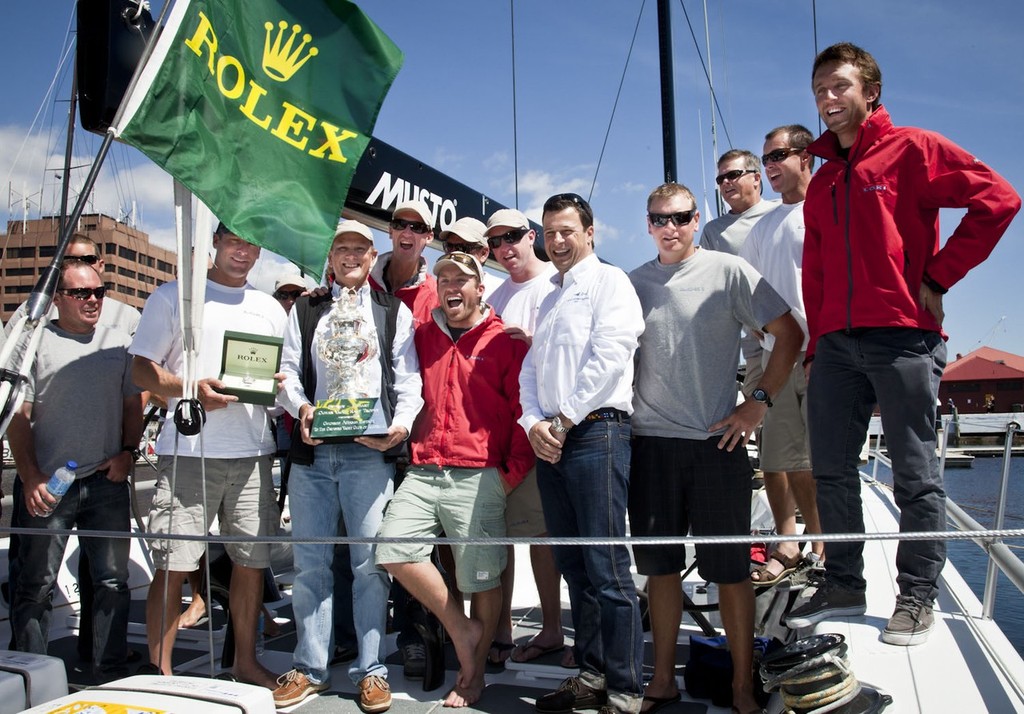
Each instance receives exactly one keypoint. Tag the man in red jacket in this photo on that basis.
(873, 280)
(467, 453)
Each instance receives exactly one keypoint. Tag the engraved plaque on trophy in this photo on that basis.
(248, 365)
(352, 407)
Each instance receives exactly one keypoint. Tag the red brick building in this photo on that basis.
(986, 380)
(134, 266)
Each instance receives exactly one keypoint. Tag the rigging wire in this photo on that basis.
(515, 112)
(615, 104)
(814, 24)
(707, 76)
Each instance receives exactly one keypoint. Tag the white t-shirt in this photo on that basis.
(239, 430)
(775, 247)
(519, 303)
(727, 233)
(491, 283)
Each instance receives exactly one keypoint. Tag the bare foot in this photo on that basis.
(466, 692)
(259, 675)
(196, 611)
(466, 643)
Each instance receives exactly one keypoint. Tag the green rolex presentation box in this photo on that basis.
(248, 366)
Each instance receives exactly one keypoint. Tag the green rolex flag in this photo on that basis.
(263, 108)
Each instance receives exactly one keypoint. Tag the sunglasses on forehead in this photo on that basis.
(678, 219)
(418, 227)
(464, 259)
(512, 237)
(87, 259)
(84, 293)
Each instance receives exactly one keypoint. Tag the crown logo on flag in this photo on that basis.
(280, 61)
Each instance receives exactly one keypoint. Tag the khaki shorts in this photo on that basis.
(524, 513)
(240, 492)
(461, 503)
(783, 442)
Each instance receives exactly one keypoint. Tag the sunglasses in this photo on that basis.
(512, 237)
(678, 219)
(733, 175)
(453, 247)
(87, 259)
(288, 294)
(84, 293)
(418, 227)
(777, 155)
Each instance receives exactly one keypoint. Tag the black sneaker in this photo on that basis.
(343, 655)
(414, 659)
(910, 624)
(571, 694)
(827, 601)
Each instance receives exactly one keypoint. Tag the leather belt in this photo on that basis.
(607, 415)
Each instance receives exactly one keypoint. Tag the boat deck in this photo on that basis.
(966, 665)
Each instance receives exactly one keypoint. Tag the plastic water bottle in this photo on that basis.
(260, 640)
(59, 484)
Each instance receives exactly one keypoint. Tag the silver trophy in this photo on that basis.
(344, 349)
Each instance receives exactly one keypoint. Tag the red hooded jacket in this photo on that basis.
(872, 225)
(471, 399)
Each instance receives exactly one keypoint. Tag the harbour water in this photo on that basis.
(976, 490)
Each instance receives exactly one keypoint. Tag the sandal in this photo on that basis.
(499, 652)
(761, 576)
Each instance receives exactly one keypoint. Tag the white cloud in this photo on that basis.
(32, 167)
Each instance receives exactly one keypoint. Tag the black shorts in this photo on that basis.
(681, 484)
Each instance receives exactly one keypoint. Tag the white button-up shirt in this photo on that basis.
(582, 354)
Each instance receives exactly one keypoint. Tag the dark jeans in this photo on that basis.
(92, 503)
(585, 494)
(900, 369)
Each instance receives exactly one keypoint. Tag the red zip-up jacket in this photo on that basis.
(872, 225)
(471, 399)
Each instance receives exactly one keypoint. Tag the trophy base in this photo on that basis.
(341, 420)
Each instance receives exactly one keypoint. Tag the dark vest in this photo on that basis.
(384, 308)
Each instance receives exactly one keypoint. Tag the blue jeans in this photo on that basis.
(900, 369)
(92, 503)
(355, 482)
(585, 494)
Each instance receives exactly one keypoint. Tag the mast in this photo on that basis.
(668, 100)
(69, 145)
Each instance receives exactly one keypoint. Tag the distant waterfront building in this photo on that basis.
(985, 380)
(134, 267)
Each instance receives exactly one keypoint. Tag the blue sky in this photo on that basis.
(950, 66)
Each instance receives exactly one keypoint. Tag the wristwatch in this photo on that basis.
(558, 427)
(135, 451)
(759, 395)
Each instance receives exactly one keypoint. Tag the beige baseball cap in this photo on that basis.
(465, 262)
(509, 217)
(468, 229)
(419, 207)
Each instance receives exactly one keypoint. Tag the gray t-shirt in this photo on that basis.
(77, 387)
(727, 233)
(686, 363)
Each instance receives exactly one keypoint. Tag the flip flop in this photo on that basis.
(762, 577)
(657, 703)
(500, 648)
(531, 651)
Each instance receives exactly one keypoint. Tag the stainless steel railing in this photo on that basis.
(1000, 557)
